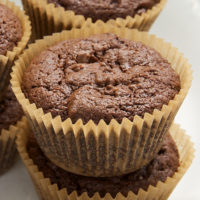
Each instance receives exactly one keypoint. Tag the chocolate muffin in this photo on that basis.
(105, 10)
(100, 77)
(10, 110)
(164, 165)
(10, 30)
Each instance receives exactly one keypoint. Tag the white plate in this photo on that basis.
(179, 24)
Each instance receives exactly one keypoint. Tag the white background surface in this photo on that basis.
(179, 24)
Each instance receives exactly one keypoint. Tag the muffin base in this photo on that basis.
(162, 190)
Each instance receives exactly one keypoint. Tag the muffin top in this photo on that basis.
(164, 165)
(10, 30)
(100, 77)
(106, 9)
(10, 110)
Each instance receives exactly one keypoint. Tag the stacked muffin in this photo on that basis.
(154, 181)
(50, 16)
(100, 107)
(14, 35)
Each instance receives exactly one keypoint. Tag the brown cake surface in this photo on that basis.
(164, 165)
(10, 30)
(10, 110)
(106, 9)
(101, 77)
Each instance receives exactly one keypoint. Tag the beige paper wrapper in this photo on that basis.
(102, 150)
(8, 149)
(141, 22)
(47, 19)
(7, 61)
(162, 190)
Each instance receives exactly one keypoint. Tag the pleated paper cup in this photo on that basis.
(102, 149)
(6, 61)
(8, 151)
(48, 191)
(47, 19)
(141, 22)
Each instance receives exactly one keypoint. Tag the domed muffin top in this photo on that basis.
(106, 9)
(10, 30)
(100, 77)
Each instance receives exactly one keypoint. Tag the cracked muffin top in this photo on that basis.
(100, 77)
(10, 30)
(106, 9)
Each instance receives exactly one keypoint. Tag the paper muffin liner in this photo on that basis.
(47, 19)
(8, 151)
(48, 191)
(141, 22)
(103, 149)
(7, 61)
